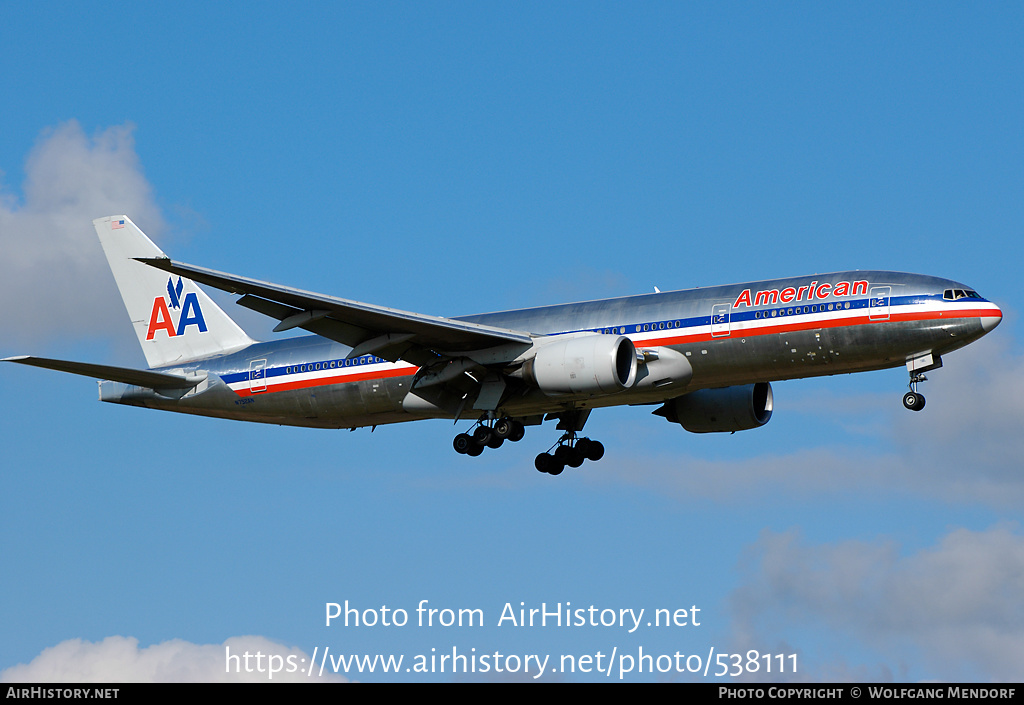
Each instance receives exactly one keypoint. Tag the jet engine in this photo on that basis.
(723, 410)
(592, 364)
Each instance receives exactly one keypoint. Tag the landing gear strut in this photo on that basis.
(913, 399)
(917, 366)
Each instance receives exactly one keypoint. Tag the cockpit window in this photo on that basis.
(956, 294)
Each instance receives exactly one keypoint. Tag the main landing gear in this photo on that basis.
(913, 399)
(488, 436)
(570, 451)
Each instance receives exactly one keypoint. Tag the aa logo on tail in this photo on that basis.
(189, 315)
(174, 292)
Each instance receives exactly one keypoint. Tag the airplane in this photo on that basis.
(704, 357)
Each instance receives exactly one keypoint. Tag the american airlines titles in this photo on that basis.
(811, 292)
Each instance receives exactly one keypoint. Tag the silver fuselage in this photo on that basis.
(731, 335)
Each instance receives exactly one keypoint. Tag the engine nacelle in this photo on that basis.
(721, 410)
(592, 364)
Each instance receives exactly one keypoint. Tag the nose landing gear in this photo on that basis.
(913, 399)
(917, 366)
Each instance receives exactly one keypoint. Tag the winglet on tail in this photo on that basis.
(175, 321)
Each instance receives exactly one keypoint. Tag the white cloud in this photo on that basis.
(53, 272)
(119, 659)
(958, 604)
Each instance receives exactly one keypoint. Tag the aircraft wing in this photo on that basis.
(141, 378)
(368, 329)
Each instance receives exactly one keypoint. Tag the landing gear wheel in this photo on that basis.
(575, 458)
(913, 401)
(548, 464)
(462, 443)
(591, 450)
(474, 450)
(543, 462)
(503, 428)
(518, 431)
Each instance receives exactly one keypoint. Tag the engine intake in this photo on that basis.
(592, 364)
(723, 410)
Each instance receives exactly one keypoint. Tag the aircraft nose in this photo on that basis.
(992, 320)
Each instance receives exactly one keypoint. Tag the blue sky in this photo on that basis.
(455, 158)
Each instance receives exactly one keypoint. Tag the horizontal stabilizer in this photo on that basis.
(140, 378)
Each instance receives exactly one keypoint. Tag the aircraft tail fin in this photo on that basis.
(175, 321)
